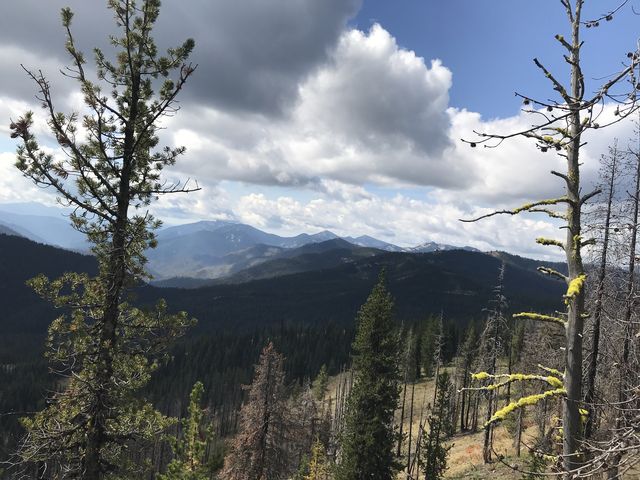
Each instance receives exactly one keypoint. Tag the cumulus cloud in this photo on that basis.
(251, 54)
(15, 188)
(516, 171)
(374, 113)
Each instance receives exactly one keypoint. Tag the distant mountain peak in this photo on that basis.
(430, 246)
(324, 235)
(370, 242)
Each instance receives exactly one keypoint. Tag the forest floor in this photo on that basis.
(465, 459)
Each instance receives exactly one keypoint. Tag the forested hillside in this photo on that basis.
(309, 316)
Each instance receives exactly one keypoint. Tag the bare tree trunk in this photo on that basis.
(625, 382)
(413, 389)
(575, 319)
(592, 368)
(404, 397)
(626, 321)
(474, 418)
(494, 322)
(488, 430)
(518, 439)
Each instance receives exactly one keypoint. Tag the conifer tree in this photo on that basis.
(440, 426)
(108, 172)
(430, 336)
(368, 439)
(320, 384)
(491, 349)
(258, 452)
(319, 464)
(466, 356)
(189, 461)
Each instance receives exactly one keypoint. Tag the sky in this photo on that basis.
(346, 115)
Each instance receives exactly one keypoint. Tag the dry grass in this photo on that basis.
(465, 457)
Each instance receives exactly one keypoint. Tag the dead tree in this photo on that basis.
(610, 171)
(257, 452)
(562, 123)
(491, 349)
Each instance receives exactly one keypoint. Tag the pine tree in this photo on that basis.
(108, 172)
(321, 383)
(258, 451)
(189, 461)
(368, 439)
(440, 426)
(430, 335)
(610, 173)
(466, 355)
(319, 465)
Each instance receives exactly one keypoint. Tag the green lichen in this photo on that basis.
(548, 201)
(549, 241)
(554, 381)
(577, 241)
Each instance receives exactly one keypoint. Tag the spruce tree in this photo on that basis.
(368, 439)
(440, 428)
(321, 384)
(466, 355)
(108, 172)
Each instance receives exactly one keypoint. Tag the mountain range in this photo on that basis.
(319, 287)
(47, 229)
(198, 253)
(220, 249)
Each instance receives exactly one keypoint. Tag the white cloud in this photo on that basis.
(14, 187)
(401, 220)
(363, 113)
(374, 113)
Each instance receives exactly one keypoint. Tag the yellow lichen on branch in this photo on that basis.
(522, 403)
(555, 380)
(539, 317)
(529, 206)
(575, 287)
(549, 241)
(552, 371)
(507, 378)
